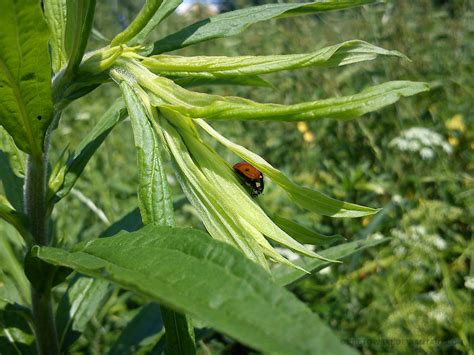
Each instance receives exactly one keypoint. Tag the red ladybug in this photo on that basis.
(251, 176)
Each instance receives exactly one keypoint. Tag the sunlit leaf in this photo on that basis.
(55, 14)
(186, 270)
(284, 275)
(312, 200)
(139, 24)
(229, 67)
(26, 108)
(234, 22)
(78, 305)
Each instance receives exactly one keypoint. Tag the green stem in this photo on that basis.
(36, 209)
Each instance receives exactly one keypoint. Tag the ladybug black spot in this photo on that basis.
(39, 117)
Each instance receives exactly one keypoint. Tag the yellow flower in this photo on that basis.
(308, 137)
(302, 126)
(453, 141)
(456, 123)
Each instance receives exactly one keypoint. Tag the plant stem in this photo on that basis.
(36, 209)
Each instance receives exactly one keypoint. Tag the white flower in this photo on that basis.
(426, 153)
(469, 282)
(375, 236)
(327, 270)
(439, 242)
(422, 141)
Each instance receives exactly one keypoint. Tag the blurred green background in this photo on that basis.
(414, 159)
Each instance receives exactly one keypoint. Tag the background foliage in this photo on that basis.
(414, 293)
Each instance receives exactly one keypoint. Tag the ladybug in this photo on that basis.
(251, 176)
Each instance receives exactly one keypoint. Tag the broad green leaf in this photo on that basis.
(26, 108)
(312, 200)
(234, 22)
(62, 182)
(303, 234)
(146, 323)
(15, 218)
(285, 275)
(78, 305)
(186, 270)
(80, 15)
(234, 67)
(166, 8)
(55, 14)
(153, 192)
(139, 24)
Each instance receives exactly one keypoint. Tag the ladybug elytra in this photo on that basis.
(251, 176)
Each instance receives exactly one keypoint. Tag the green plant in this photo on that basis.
(232, 283)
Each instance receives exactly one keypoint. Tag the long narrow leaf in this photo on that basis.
(15, 218)
(139, 23)
(166, 8)
(62, 183)
(156, 206)
(165, 93)
(342, 108)
(312, 200)
(186, 270)
(78, 306)
(285, 276)
(55, 14)
(153, 192)
(224, 67)
(80, 14)
(234, 22)
(12, 183)
(303, 234)
(25, 77)
(146, 323)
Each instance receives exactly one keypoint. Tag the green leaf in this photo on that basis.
(15, 218)
(234, 22)
(78, 305)
(12, 183)
(146, 323)
(225, 206)
(342, 108)
(80, 15)
(55, 14)
(188, 81)
(62, 182)
(26, 108)
(156, 205)
(16, 335)
(284, 275)
(166, 8)
(303, 234)
(220, 67)
(309, 199)
(154, 197)
(210, 280)
(13, 283)
(139, 24)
